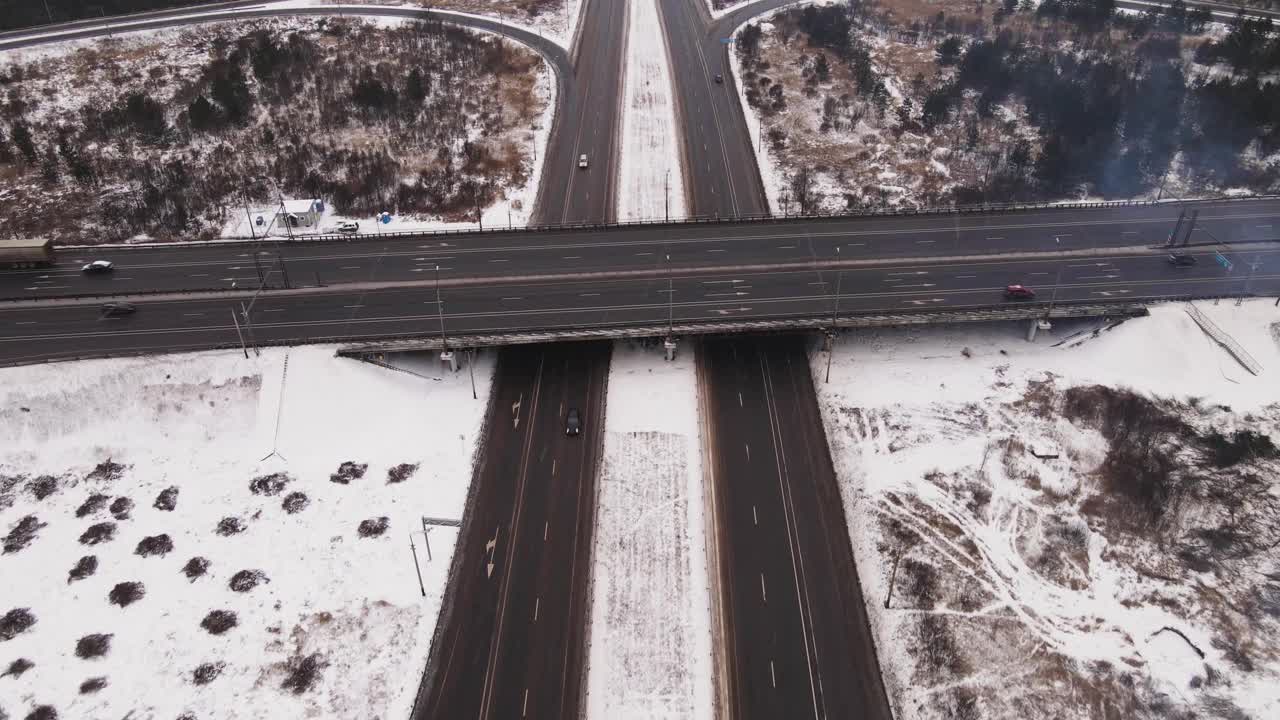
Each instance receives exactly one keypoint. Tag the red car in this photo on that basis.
(1019, 292)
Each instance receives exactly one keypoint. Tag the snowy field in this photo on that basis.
(651, 181)
(650, 654)
(1070, 537)
(237, 529)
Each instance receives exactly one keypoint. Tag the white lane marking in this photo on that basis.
(716, 250)
(786, 247)
(926, 242)
(537, 602)
(643, 254)
(571, 257)
(121, 278)
(513, 298)
(754, 518)
(352, 306)
(739, 399)
(912, 272)
(545, 526)
(200, 275)
(996, 238)
(763, 595)
(500, 260)
(728, 294)
(820, 282)
(27, 322)
(854, 245)
(748, 447)
(344, 267)
(524, 707)
(589, 295)
(772, 677)
(192, 314)
(274, 310)
(47, 287)
(1098, 277)
(965, 277)
(1128, 232)
(1039, 273)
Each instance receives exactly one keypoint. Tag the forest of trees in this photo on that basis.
(402, 123)
(1111, 118)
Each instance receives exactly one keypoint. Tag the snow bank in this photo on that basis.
(208, 424)
(650, 654)
(650, 177)
(930, 428)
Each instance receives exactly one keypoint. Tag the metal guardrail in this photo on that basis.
(990, 208)
(1221, 337)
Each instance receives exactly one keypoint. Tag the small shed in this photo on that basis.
(300, 213)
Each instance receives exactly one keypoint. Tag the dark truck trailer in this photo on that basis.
(26, 253)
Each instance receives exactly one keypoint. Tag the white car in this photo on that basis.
(98, 266)
(348, 226)
(582, 161)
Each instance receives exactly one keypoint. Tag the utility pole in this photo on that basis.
(666, 192)
(1253, 266)
(835, 311)
(248, 328)
(284, 273)
(444, 341)
(471, 361)
(236, 320)
(1173, 236)
(48, 12)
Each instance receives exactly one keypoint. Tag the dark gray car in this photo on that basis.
(573, 423)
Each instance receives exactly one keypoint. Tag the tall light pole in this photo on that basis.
(444, 341)
(671, 293)
(835, 311)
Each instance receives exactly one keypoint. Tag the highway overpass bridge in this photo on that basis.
(470, 289)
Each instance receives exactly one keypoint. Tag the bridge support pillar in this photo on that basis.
(449, 360)
(1035, 326)
(670, 346)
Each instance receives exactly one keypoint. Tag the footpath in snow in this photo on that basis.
(650, 179)
(650, 654)
(206, 536)
(1032, 577)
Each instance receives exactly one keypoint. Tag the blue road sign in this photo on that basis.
(1222, 261)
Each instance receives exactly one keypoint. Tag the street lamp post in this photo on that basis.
(444, 341)
(835, 311)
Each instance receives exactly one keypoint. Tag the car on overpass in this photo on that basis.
(98, 266)
(116, 309)
(1180, 260)
(1019, 292)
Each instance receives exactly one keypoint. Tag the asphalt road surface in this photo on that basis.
(511, 642)
(33, 331)
(798, 643)
(635, 249)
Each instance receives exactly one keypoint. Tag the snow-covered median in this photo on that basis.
(217, 537)
(650, 654)
(1081, 530)
(651, 181)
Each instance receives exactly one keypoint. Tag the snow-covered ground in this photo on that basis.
(650, 182)
(650, 654)
(198, 429)
(1028, 586)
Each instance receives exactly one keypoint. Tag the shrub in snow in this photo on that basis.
(401, 472)
(269, 485)
(7, 484)
(373, 527)
(206, 673)
(348, 471)
(93, 646)
(21, 534)
(230, 525)
(92, 685)
(43, 486)
(93, 504)
(219, 621)
(295, 502)
(154, 545)
(15, 622)
(195, 567)
(167, 500)
(303, 673)
(85, 567)
(246, 580)
(42, 712)
(126, 593)
(17, 667)
(98, 533)
(121, 508)
(106, 471)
